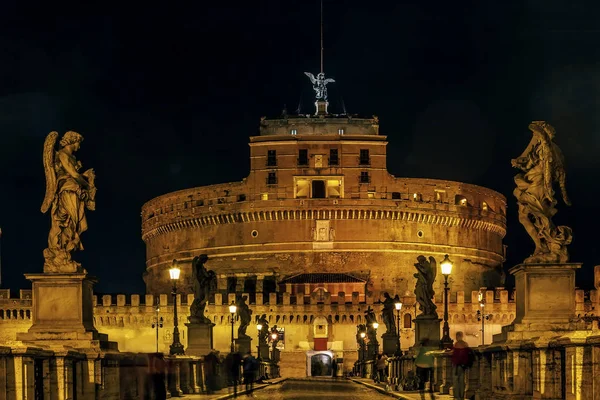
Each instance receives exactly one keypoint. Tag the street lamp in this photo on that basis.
(259, 328)
(398, 305)
(482, 316)
(362, 336)
(232, 310)
(446, 271)
(157, 323)
(176, 347)
(274, 337)
(375, 326)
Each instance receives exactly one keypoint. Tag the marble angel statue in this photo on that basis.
(542, 165)
(68, 194)
(426, 273)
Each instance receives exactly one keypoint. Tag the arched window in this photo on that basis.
(407, 321)
(460, 200)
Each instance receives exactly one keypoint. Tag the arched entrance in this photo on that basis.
(320, 364)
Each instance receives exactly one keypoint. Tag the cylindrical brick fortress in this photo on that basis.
(319, 199)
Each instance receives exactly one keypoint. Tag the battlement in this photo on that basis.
(462, 307)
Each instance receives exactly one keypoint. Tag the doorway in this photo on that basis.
(318, 189)
(320, 365)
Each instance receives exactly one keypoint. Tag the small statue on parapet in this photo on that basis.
(370, 318)
(387, 314)
(263, 333)
(205, 282)
(244, 314)
(542, 164)
(426, 273)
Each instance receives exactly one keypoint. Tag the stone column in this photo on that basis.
(20, 377)
(196, 383)
(47, 378)
(473, 378)
(184, 376)
(485, 374)
(522, 372)
(174, 377)
(447, 377)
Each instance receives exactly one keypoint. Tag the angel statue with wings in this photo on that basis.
(542, 166)
(205, 282)
(68, 194)
(320, 84)
(426, 272)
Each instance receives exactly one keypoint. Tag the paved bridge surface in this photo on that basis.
(306, 389)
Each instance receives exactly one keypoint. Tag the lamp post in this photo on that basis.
(398, 305)
(259, 328)
(274, 337)
(232, 310)
(482, 316)
(375, 326)
(446, 271)
(157, 323)
(362, 336)
(176, 347)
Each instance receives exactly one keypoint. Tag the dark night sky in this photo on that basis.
(166, 100)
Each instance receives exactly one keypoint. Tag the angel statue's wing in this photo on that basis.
(433, 266)
(49, 170)
(329, 80)
(311, 77)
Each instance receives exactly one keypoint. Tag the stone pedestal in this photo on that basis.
(427, 327)
(63, 313)
(372, 349)
(263, 351)
(200, 339)
(390, 343)
(547, 292)
(243, 344)
(545, 302)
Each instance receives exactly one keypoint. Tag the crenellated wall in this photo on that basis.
(128, 319)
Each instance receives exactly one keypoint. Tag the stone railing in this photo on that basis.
(561, 370)
(26, 373)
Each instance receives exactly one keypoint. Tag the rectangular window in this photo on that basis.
(396, 196)
(364, 157)
(364, 177)
(272, 178)
(271, 158)
(293, 132)
(303, 157)
(333, 157)
(341, 131)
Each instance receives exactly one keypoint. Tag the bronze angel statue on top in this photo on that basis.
(542, 165)
(319, 84)
(68, 194)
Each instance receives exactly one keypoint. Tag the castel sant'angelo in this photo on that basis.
(316, 234)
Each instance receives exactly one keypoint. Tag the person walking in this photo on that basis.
(424, 364)
(381, 367)
(211, 370)
(460, 362)
(233, 362)
(250, 366)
